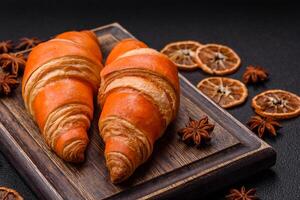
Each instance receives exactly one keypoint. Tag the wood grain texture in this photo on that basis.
(173, 167)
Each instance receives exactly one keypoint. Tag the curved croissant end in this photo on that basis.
(71, 145)
(118, 167)
(122, 47)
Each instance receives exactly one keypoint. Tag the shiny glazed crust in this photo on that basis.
(139, 96)
(60, 79)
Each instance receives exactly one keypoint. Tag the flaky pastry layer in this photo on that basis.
(63, 67)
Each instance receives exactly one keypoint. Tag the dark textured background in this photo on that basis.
(266, 34)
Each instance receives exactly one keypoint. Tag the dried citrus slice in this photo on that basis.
(183, 54)
(217, 59)
(277, 104)
(226, 92)
(9, 194)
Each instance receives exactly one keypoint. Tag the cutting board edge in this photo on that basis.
(45, 190)
(26, 168)
(265, 155)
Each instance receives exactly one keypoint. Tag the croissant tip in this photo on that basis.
(71, 145)
(78, 152)
(117, 174)
(78, 157)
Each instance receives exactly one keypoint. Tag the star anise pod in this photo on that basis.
(27, 43)
(261, 125)
(7, 82)
(254, 74)
(242, 194)
(197, 132)
(6, 46)
(14, 63)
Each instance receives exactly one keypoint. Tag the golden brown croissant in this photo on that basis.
(60, 79)
(139, 96)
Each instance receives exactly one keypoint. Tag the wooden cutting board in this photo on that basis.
(174, 168)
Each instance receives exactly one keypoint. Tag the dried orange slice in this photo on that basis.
(226, 92)
(9, 194)
(183, 54)
(217, 59)
(278, 104)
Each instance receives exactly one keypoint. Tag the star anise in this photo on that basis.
(197, 132)
(27, 43)
(14, 63)
(242, 194)
(7, 82)
(254, 74)
(6, 46)
(261, 125)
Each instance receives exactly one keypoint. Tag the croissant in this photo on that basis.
(60, 79)
(139, 97)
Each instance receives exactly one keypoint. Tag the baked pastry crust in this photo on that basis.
(60, 79)
(139, 96)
